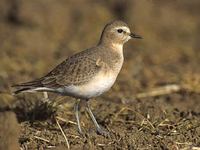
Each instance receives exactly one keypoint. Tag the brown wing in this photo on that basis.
(75, 70)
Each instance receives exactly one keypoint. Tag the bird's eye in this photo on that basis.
(119, 30)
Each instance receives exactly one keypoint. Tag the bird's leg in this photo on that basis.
(46, 97)
(99, 129)
(76, 109)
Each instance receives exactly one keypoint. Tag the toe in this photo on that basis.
(103, 132)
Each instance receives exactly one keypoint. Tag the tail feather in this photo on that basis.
(27, 86)
(21, 90)
(35, 83)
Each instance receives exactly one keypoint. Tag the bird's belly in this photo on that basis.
(98, 85)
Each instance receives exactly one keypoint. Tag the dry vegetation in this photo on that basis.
(155, 101)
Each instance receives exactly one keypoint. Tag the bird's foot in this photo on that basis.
(82, 134)
(103, 132)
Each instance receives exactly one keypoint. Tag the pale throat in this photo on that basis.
(118, 47)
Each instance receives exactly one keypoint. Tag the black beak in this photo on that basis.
(133, 35)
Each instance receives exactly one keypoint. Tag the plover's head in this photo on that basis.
(117, 33)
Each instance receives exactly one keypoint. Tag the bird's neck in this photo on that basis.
(117, 47)
(111, 46)
(113, 54)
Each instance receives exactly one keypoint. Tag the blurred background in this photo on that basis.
(36, 35)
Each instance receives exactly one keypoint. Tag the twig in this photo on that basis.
(64, 120)
(168, 89)
(185, 143)
(195, 148)
(101, 145)
(188, 146)
(63, 133)
(40, 138)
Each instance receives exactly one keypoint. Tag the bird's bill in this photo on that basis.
(133, 35)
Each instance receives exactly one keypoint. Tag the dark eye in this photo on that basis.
(119, 30)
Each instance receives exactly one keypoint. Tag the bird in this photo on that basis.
(87, 74)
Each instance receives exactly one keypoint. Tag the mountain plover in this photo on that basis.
(89, 73)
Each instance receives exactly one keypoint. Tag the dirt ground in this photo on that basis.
(166, 122)
(155, 102)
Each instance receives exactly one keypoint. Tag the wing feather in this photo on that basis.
(75, 70)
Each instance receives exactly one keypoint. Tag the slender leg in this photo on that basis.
(46, 97)
(76, 108)
(99, 129)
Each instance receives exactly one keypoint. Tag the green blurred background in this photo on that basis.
(36, 35)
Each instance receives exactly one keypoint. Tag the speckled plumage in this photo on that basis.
(89, 73)
(79, 68)
(82, 67)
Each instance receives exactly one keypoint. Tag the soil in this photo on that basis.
(35, 36)
(166, 122)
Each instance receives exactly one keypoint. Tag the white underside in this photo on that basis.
(98, 85)
(101, 83)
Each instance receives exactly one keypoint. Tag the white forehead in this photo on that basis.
(123, 28)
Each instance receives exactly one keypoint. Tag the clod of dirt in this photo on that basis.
(9, 134)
